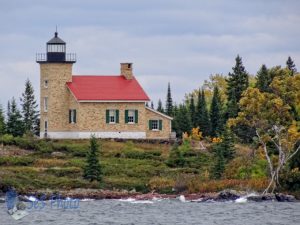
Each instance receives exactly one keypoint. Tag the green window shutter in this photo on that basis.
(107, 116)
(136, 116)
(74, 115)
(117, 116)
(160, 124)
(150, 124)
(70, 114)
(126, 116)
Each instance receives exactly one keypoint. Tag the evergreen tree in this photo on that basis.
(227, 145)
(92, 170)
(2, 122)
(216, 113)
(193, 112)
(291, 65)
(182, 120)
(14, 121)
(264, 79)
(8, 110)
(160, 107)
(202, 115)
(29, 108)
(219, 166)
(169, 102)
(152, 105)
(238, 82)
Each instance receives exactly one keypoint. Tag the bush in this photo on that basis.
(66, 171)
(8, 139)
(290, 180)
(16, 161)
(161, 184)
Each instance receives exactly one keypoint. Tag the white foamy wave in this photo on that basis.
(127, 200)
(182, 198)
(87, 200)
(134, 201)
(243, 199)
(31, 198)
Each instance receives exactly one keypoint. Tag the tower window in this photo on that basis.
(46, 83)
(45, 104)
(46, 126)
(72, 116)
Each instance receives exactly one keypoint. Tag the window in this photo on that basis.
(46, 83)
(72, 116)
(45, 104)
(112, 116)
(46, 126)
(155, 125)
(131, 116)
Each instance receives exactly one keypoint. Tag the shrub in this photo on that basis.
(8, 139)
(16, 161)
(161, 184)
(66, 171)
(290, 180)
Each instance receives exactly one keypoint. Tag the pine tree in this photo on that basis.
(160, 107)
(264, 79)
(291, 65)
(2, 122)
(219, 166)
(238, 82)
(169, 102)
(182, 120)
(92, 170)
(216, 117)
(29, 108)
(152, 105)
(227, 145)
(202, 115)
(15, 125)
(193, 112)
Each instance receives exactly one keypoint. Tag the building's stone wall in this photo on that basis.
(57, 75)
(165, 133)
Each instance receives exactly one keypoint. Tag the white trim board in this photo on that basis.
(159, 113)
(87, 135)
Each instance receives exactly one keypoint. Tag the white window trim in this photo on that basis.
(131, 110)
(45, 104)
(157, 125)
(115, 116)
(46, 81)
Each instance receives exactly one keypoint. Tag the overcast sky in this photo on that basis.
(176, 41)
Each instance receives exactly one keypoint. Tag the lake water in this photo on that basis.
(161, 212)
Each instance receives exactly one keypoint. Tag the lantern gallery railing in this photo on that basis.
(56, 57)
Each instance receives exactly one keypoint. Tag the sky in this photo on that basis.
(176, 41)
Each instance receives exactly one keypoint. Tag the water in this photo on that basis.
(162, 212)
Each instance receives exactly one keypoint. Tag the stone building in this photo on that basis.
(106, 106)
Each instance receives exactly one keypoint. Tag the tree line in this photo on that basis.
(18, 121)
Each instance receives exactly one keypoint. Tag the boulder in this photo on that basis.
(228, 195)
(285, 198)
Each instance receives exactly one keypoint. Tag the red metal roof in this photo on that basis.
(106, 88)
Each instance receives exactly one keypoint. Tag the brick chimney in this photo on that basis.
(126, 70)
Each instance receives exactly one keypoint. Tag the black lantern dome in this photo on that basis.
(56, 52)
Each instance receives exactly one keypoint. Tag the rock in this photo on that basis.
(58, 154)
(228, 195)
(2, 200)
(285, 198)
(21, 206)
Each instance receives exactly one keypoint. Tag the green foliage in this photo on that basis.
(216, 117)
(16, 161)
(290, 180)
(8, 139)
(264, 79)
(160, 107)
(92, 170)
(182, 121)
(29, 109)
(238, 82)
(291, 66)
(192, 111)
(202, 114)
(169, 102)
(2, 122)
(15, 124)
(176, 158)
(219, 166)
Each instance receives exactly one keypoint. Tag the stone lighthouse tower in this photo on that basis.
(55, 71)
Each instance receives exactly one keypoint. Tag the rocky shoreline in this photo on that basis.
(97, 194)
